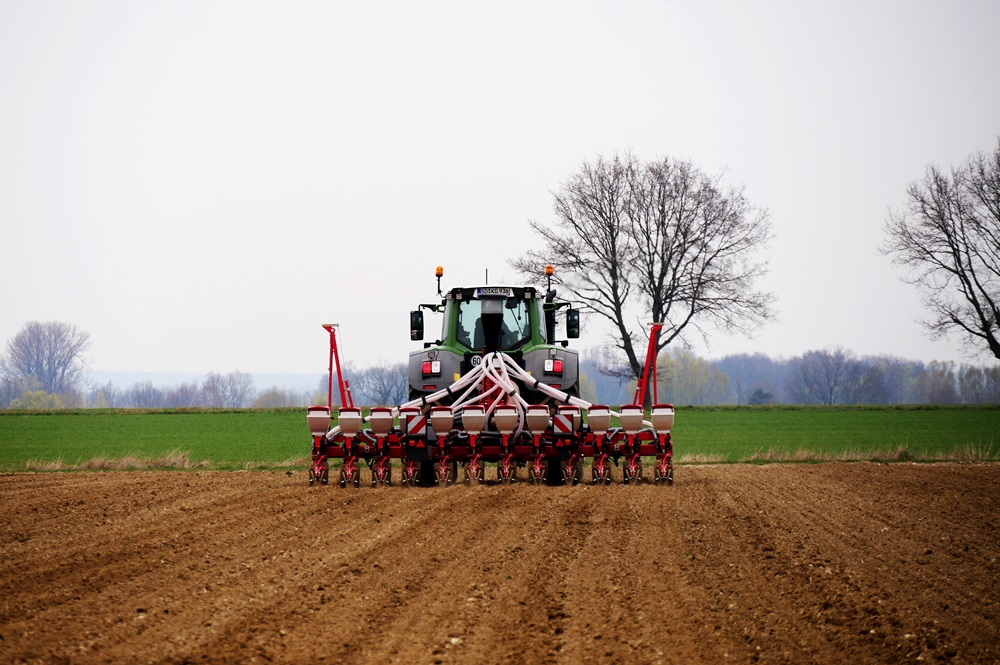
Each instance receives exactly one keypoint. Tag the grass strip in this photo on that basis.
(274, 439)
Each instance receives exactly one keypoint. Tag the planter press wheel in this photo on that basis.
(353, 479)
(448, 476)
(534, 479)
(637, 479)
(478, 477)
(667, 478)
(410, 473)
(507, 480)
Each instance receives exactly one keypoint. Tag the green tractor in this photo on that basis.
(519, 321)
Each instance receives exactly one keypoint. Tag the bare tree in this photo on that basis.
(979, 385)
(663, 235)
(214, 390)
(684, 378)
(381, 384)
(183, 395)
(105, 396)
(240, 390)
(755, 374)
(143, 395)
(827, 377)
(275, 397)
(11, 388)
(948, 237)
(49, 352)
(937, 383)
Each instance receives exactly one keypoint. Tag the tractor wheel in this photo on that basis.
(426, 475)
(553, 472)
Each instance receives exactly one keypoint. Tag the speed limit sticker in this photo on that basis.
(476, 361)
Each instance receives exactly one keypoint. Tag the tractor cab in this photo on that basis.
(493, 318)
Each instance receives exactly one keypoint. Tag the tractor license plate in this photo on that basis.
(495, 291)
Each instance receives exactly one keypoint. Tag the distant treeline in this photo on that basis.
(831, 376)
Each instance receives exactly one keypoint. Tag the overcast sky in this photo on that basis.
(200, 185)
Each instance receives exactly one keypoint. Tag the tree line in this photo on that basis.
(43, 369)
(820, 377)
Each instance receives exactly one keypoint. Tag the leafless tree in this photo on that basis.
(663, 235)
(828, 377)
(183, 395)
(143, 395)
(234, 390)
(275, 397)
(937, 383)
(214, 390)
(240, 390)
(755, 374)
(979, 385)
(50, 352)
(948, 238)
(10, 390)
(381, 384)
(105, 396)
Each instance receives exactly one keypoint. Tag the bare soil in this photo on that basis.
(828, 563)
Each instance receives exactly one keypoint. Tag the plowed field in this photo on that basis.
(831, 563)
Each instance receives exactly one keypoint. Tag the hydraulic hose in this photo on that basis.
(499, 368)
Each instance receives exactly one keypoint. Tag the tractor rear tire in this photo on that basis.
(427, 476)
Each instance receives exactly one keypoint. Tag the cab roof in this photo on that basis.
(492, 291)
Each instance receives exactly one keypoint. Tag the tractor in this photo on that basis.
(498, 387)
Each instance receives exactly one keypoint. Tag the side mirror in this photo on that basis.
(416, 325)
(572, 323)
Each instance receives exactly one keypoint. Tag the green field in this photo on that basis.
(279, 438)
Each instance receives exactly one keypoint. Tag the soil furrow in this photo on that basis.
(780, 563)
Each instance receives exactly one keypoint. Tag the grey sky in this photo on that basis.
(200, 185)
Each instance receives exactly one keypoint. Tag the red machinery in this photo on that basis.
(482, 418)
